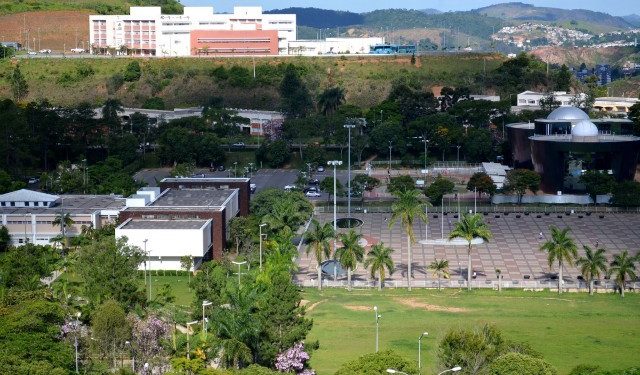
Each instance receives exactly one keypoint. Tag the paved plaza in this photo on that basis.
(514, 248)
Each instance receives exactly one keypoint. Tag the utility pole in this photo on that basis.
(349, 127)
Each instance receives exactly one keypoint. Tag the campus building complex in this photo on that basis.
(198, 31)
(567, 143)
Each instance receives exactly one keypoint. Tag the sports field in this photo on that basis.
(568, 330)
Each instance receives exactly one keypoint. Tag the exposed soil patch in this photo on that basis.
(416, 304)
(358, 308)
(313, 305)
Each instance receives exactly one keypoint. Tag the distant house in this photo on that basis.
(531, 99)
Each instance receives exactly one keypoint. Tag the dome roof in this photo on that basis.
(584, 128)
(568, 113)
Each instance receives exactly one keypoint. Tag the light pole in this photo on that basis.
(334, 163)
(424, 140)
(392, 371)
(458, 147)
(454, 369)
(145, 264)
(378, 316)
(420, 349)
(390, 147)
(239, 264)
(84, 175)
(188, 343)
(349, 127)
(261, 225)
(235, 171)
(133, 358)
(75, 340)
(205, 303)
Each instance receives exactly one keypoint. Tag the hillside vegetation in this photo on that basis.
(188, 81)
(98, 6)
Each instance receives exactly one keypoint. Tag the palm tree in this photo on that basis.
(469, 228)
(560, 248)
(318, 241)
(440, 268)
(350, 253)
(623, 267)
(405, 209)
(283, 215)
(591, 265)
(378, 259)
(64, 220)
(331, 99)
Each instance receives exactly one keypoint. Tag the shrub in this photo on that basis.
(133, 72)
(153, 103)
(377, 363)
(520, 364)
(114, 83)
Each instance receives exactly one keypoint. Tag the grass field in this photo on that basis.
(568, 330)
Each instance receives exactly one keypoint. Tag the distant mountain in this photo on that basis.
(430, 11)
(527, 12)
(322, 18)
(633, 19)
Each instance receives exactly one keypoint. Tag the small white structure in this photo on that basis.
(532, 99)
(333, 46)
(166, 241)
(497, 172)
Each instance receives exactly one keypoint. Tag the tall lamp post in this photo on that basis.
(390, 147)
(145, 265)
(188, 341)
(378, 316)
(133, 357)
(205, 303)
(334, 163)
(454, 369)
(349, 127)
(239, 264)
(458, 147)
(261, 225)
(75, 339)
(420, 349)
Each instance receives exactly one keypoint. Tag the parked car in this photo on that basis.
(289, 187)
(45, 51)
(33, 180)
(312, 194)
(32, 53)
(238, 145)
(252, 188)
(314, 181)
(311, 188)
(320, 169)
(221, 168)
(198, 175)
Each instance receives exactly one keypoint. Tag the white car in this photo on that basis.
(32, 53)
(289, 187)
(312, 194)
(45, 51)
(320, 169)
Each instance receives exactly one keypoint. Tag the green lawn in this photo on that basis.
(568, 330)
(179, 288)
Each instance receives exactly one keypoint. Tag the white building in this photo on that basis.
(332, 46)
(146, 31)
(532, 99)
(615, 105)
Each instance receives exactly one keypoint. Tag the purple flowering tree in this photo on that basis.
(147, 339)
(294, 360)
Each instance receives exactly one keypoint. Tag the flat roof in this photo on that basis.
(522, 125)
(205, 179)
(601, 138)
(193, 198)
(163, 224)
(74, 204)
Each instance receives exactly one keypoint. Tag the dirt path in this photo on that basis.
(416, 304)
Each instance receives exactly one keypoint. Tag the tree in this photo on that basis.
(296, 100)
(470, 228)
(623, 268)
(327, 185)
(5, 239)
(626, 194)
(379, 259)
(563, 79)
(438, 188)
(592, 264)
(19, 86)
(350, 252)
(519, 180)
(549, 103)
(186, 263)
(560, 248)
(401, 184)
(63, 220)
(367, 183)
(440, 269)
(264, 203)
(597, 183)
(21, 268)
(330, 99)
(293, 360)
(275, 154)
(478, 145)
(377, 363)
(405, 209)
(318, 241)
(111, 110)
(108, 269)
(283, 216)
(520, 364)
(481, 182)
(110, 329)
(147, 337)
(132, 72)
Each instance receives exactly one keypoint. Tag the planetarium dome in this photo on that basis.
(584, 128)
(568, 114)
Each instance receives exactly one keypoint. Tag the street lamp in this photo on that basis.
(261, 225)
(334, 163)
(454, 369)
(145, 266)
(188, 347)
(392, 371)
(349, 127)
(205, 303)
(75, 339)
(390, 147)
(133, 358)
(235, 172)
(420, 349)
(239, 264)
(378, 316)
(458, 147)
(424, 140)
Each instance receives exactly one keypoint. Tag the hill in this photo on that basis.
(633, 19)
(527, 12)
(96, 6)
(321, 18)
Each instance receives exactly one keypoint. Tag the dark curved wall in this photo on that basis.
(549, 158)
(520, 146)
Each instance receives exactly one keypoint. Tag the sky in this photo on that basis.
(621, 8)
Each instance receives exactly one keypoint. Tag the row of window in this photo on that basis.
(26, 204)
(233, 40)
(79, 222)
